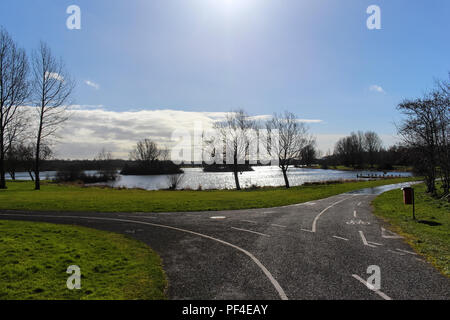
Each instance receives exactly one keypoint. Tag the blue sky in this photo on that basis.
(315, 58)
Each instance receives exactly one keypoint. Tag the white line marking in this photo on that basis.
(359, 204)
(365, 241)
(354, 214)
(249, 221)
(307, 230)
(375, 243)
(141, 217)
(406, 251)
(218, 217)
(269, 276)
(314, 225)
(259, 233)
(399, 253)
(389, 234)
(278, 225)
(370, 287)
(340, 238)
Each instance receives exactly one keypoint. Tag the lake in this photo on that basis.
(261, 176)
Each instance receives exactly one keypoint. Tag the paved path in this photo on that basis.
(314, 250)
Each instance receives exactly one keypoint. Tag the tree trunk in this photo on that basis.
(236, 179)
(2, 157)
(31, 175)
(286, 180)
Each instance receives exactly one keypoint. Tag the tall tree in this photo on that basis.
(51, 89)
(372, 146)
(236, 134)
(420, 131)
(14, 92)
(293, 138)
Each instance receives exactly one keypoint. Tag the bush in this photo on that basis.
(74, 174)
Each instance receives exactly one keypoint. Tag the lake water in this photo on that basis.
(195, 178)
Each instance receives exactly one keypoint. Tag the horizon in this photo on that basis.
(169, 64)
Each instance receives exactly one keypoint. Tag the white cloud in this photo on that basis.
(92, 84)
(89, 129)
(376, 88)
(54, 75)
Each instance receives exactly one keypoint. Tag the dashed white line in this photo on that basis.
(314, 225)
(370, 287)
(365, 241)
(359, 204)
(354, 214)
(258, 233)
(218, 217)
(340, 238)
(306, 230)
(278, 225)
(375, 243)
(406, 251)
(267, 273)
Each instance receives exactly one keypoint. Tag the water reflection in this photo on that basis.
(195, 178)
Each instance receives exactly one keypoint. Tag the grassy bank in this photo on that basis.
(430, 234)
(34, 258)
(52, 197)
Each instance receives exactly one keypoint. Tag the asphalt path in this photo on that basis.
(315, 250)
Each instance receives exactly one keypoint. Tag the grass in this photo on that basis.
(53, 197)
(34, 258)
(430, 234)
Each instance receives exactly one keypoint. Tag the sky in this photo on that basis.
(146, 67)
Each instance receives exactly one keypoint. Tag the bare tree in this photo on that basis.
(14, 91)
(372, 146)
(425, 130)
(105, 165)
(350, 150)
(293, 138)
(51, 90)
(309, 154)
(147, 151)
(235, 134)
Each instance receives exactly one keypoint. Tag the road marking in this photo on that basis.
(359, 204)
(375, 243)
(354, 214)
(142, 217)
(370, 287)
(259, 233)
(249, 221)
(399, 253)
(267, 273)
(278, 225)
(314, 225)
(340, 238)
(389, 234)
(218, 217)
(365, 241)
(360, 222)
(306, 230)
(406, 251)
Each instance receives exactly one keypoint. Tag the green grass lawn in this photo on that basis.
(34, 258)
(53, 197)
(430, 234)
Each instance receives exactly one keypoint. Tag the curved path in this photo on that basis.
(314, 250)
